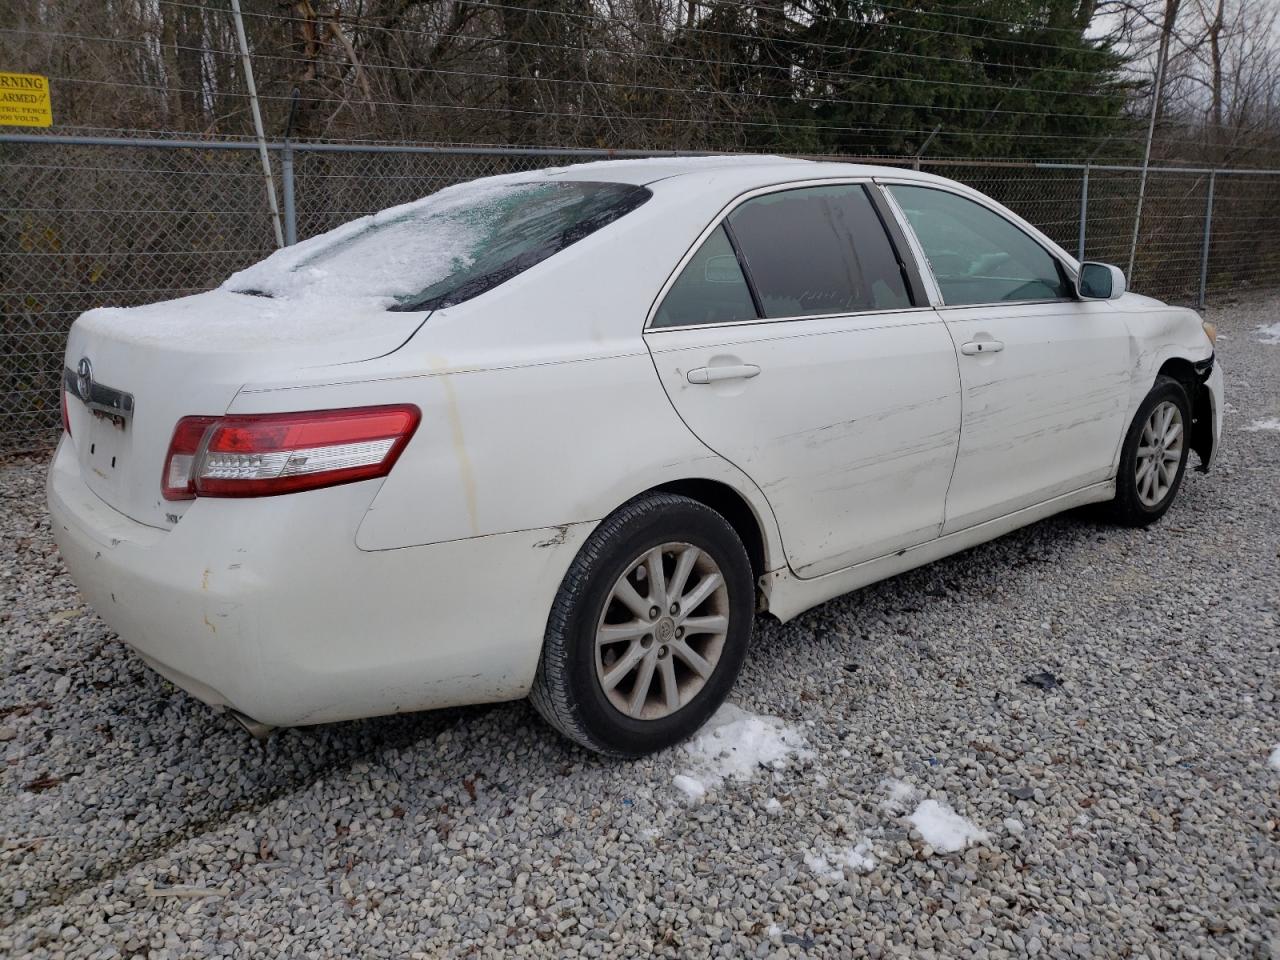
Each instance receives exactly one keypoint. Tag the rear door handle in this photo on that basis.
(975, 347)
(737, 371)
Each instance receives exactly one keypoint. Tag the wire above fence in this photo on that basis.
(871, 78)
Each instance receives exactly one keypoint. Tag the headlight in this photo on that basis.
(1210, 331)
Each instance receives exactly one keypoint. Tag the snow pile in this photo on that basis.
(832, 864)
(691, 787)
(1271, 423)
(1274, 760)
(733, 746)
(219, 321)
(942, 828)
(1271, 333)
(899, 797)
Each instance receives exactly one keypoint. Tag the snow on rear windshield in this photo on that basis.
(444, 249)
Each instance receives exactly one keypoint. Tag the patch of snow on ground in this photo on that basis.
(735, 745)
(832, 864)
(943, 828)
(1274, 760)
(1270, 334)
(693, 788)
(1271, 423)
(899, 796)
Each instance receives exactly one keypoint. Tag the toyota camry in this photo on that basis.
(565, 434)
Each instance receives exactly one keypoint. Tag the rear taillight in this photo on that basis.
(260, 455)
(178, 479)
(66, 416)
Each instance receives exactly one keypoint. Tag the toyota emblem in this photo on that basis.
(84, 378)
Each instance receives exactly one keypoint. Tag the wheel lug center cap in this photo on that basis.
(665, 630)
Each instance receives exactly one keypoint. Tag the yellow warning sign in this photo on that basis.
(24, 100)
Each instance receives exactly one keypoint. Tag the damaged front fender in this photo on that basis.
(1204, 389)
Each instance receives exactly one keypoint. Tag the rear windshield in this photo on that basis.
(445, 249)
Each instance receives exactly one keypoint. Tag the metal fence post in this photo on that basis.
(1208, 229)
(1084, 210)
(286, 177)
(925, 146)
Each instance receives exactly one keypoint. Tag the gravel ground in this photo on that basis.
(1128, 810)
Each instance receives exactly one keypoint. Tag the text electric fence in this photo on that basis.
(92, 221)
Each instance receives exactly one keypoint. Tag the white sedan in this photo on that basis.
(563, 434)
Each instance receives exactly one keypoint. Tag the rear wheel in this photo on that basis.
(649, 629)
(1154, 456)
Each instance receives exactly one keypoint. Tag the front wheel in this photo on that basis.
(649, 629)
(1154, 456)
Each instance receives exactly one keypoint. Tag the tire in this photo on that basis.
(569, 690)
(1139, 501)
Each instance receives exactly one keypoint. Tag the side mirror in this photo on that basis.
(1100, 281)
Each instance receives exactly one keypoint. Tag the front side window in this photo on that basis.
(978, 256)
(445, 249)
(818, 250)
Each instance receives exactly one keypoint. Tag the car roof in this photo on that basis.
(745, 171)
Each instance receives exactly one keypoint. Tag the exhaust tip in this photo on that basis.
(259, 731)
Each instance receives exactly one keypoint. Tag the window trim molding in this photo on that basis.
(900, 242)
(752, 290)
(858, 315)
(866, 181)
(932, 293)
(1066, 266)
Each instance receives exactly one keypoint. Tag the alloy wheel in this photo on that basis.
(662, 631)
(1159, 453)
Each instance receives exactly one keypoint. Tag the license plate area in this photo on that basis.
(104, 455)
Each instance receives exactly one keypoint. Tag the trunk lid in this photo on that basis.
(191, 357)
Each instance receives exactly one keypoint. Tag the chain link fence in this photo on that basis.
(93, 222)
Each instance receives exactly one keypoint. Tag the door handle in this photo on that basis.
(737, 371)
(975, 347)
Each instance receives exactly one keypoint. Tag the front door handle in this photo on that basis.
(737, 371)
(975, 347)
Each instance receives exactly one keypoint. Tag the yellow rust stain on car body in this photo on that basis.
(465, 471)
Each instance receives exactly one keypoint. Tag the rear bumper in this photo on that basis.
(267, 606)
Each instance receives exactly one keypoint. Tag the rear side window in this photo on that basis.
(818, 250)
(978, 256)
(710, 289)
